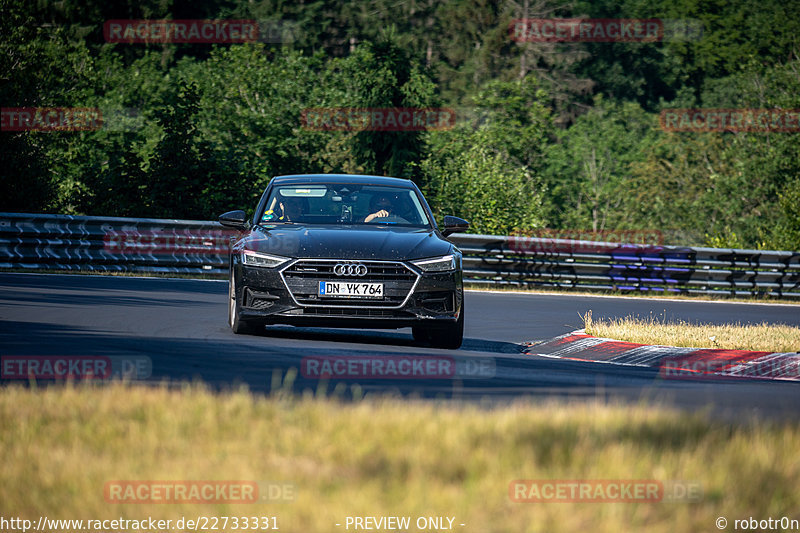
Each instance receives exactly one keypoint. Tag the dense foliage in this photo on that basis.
(563, 135)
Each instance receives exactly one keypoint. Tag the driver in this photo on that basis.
(293, 208)
(290, 209)
(380, 206)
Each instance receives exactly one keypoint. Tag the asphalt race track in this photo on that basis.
(180, 325)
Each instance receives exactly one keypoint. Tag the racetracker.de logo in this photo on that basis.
(732, 120)
(731, 364)
(548, 240)
(50, 119)
(194, 491)
(168, 241)
(585, 491)
(604, 491)
(408, 367)
(55, 367)
(181, 31)
(532, 30)
(181, 492)
(58, 367)
(377, 119)
(397, 367)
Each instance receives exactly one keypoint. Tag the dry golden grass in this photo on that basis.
(376, 457)
(652, 330)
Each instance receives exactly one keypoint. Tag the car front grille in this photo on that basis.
(302, 280)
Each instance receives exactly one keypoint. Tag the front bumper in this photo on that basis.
(288, 295)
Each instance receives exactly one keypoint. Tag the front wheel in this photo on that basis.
(235, 321)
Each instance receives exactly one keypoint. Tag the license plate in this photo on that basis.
(350, 289)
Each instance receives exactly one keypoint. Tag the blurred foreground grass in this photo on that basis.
(384, 456)
(654, 330)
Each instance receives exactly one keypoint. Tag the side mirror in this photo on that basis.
(234, 219)
(454, 225)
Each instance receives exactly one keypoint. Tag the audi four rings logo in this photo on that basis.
(350, 269)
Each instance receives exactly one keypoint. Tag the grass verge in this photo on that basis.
(653, 330)
(384, 457)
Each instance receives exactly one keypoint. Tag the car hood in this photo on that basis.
(346, 242)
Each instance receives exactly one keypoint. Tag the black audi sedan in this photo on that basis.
(337, 250)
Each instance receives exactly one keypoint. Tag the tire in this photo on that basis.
(449, 337)
(239, 325)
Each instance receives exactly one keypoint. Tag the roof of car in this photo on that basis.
(342, 178)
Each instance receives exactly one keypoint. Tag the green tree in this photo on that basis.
(480, 186)
(787, 231)
(486, 169)
(42, 67)
(588, 175)
(383, 75)
(721, 184)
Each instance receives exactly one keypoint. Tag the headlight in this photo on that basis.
(437, 264)
(262, 260)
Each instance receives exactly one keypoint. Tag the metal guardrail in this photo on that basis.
(64, 242)
(113, 244)
(606, 266)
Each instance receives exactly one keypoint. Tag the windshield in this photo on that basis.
(345, 204)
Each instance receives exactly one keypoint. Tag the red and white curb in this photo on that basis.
(672, 362)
